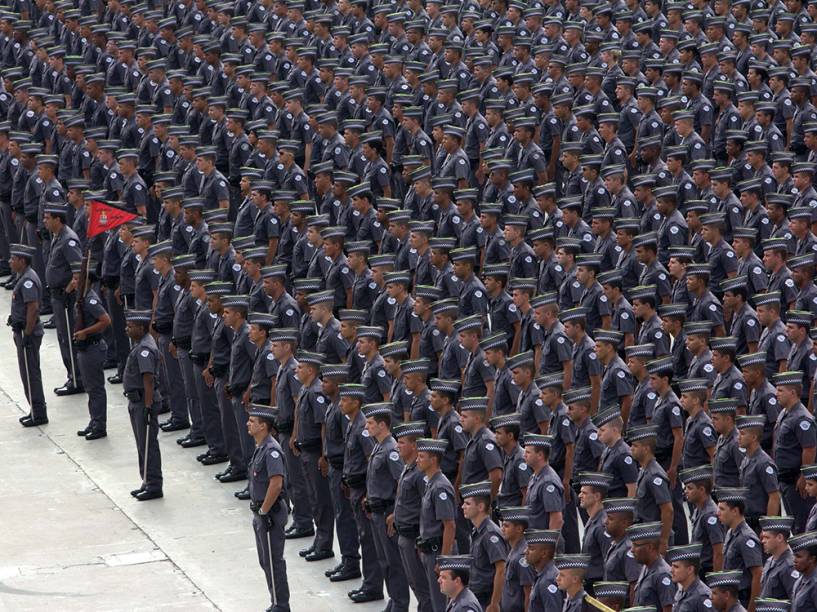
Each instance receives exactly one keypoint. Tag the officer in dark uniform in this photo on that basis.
(359, 446)
(795, 442)
(654, 500)
(268, 502)
(616, 459)
(741, 548)
(91, 320)
(706, 528)
(728, 457)
(778, 576)
(473, 295)
(758, 473)
(438, 511)
(407, 502)
(692, 593)
(28, 332)
(64, 250)
(654, 586)
(382, 474)
(699, 436)
(141, 382)
(545, 495)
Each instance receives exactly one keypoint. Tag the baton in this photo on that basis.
(147, 443)
(271, 574)
(70, 347)
(28, 376)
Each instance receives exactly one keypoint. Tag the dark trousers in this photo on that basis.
(121, 342)
(796, 505)
(190, 393)
(415, 572)
(244, 439)
(372, 574)
(152, 480)
(28, 361)
(438, 600)
(32, 238)
(388, 554)
(90, 360)
(64, 321)
(172, 383)
(317, 487)
(231, 440)
(296, 487)
(570, 529)
(8, 233)
(210, 416)
(344, 519)
(269, 542)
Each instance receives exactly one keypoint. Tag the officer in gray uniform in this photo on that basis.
(778, 576)
(616, 459)
(200, 346)
(804, 592)
(488, 546)
(725, 590)
(545, 495)
(140, 381)
(728, 457)
(572, 570)
(619, 563)
(795, 441)
(310, 414)
(593, 487)
(515, 472)
(438, 512)
(91, 321)
(287, 389)
(64, 250)
(758, 473)
(242, 353)
(28, 331)
(482, 458)
(184, 317)
(334, 445)
(359, 445)
(268, 495)
(406, 516)
(454, 571)
(692, 595)
(654, 588)
(167, 293)
(741, 548)
(382, 474)
(653, 495)
(706, 528)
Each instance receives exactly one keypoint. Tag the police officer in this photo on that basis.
(758, 473)
(741, 548)
(359, 446)
(62, 284)
(28, 332)
(654, 586)
(654, 500)
(778, 576)
(453, 583)
(405, 520)
(437, 516)
(91, 321)
(692, 593)
(140, 380)
(545, 495)
(382, 474)
(268, 495)
(795, 442)
(616, 459)
(706, 529)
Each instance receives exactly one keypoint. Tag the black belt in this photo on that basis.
(354, 481)
(408, 531)
(134, 396)
(381, 506)
(429, 545)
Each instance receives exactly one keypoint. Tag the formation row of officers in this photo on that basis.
(487, 423)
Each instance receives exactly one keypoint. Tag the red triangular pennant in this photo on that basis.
(104, 217)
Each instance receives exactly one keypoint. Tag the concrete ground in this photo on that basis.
(72, 538)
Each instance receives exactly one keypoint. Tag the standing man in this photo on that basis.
(795, 442)
(91, 348)
(28, 331)
(383, 472)
(268, 494)
(140, 381)
(306, 444)
(62, 284)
